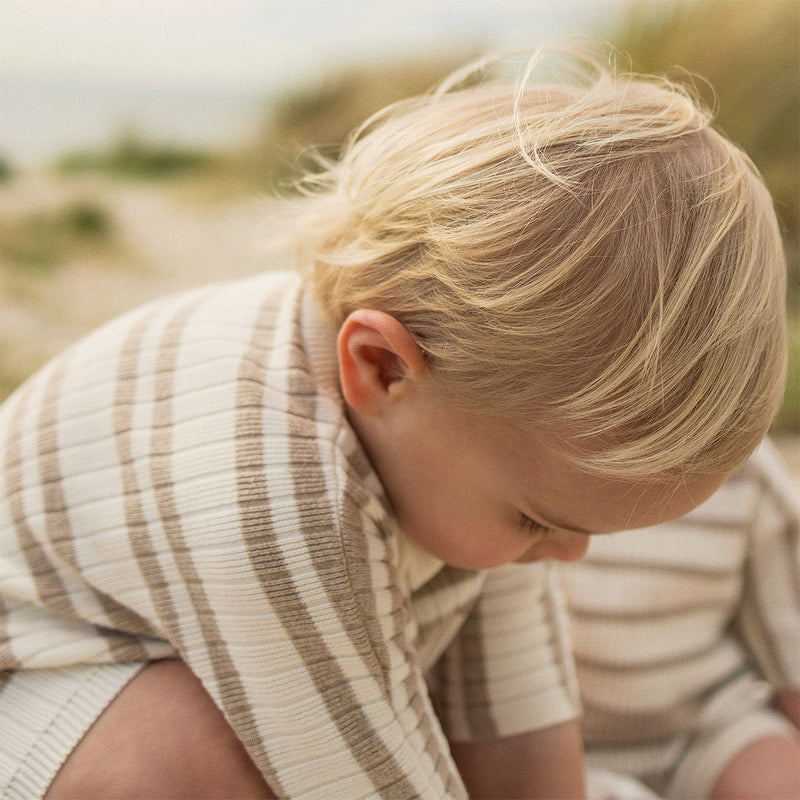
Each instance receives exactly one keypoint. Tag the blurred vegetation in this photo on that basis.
(41, 240)
(749, 52)
(321, 115)
(132, 156)
(7, 172)
(788, 419)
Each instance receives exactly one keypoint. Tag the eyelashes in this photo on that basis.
(534, 527)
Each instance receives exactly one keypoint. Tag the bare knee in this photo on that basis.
(767, 770)
(162, 737)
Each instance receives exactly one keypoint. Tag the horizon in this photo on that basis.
(75, 72)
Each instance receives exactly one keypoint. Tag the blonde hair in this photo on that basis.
(587, 254)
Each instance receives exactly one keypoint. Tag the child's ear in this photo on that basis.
(376, 354)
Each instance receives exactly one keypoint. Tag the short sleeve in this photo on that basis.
(769, 616)
(509, 669)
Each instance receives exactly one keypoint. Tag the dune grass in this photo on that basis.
(132, 156)
(39, 241)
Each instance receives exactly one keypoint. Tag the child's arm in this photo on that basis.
(203, 521)
(505, 693)
(770, 607)
(545, 764)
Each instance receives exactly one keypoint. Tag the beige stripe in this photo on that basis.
(163, 482)
(161, 479)
(8, 661)
(710, 522)
(625, 615)
(135, 520)
(6, 674)
(413, 685)
(444, 580)
(5, 678)
(689, 570)
(603, 726)
(315, 507)
(473, 668)
(278, 585)
(232, 693)
(57, 526)
(680, 659)
(49, 587)
(355, 552)
(230, 687)
(302, 429)
(764, 598)
(12, 470)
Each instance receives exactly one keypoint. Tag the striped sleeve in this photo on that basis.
(668, 621)
(176, 485)
(769, 617)
(509, 669)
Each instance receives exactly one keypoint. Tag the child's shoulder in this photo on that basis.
(185, 347)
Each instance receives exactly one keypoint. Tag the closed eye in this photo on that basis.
(533, 526)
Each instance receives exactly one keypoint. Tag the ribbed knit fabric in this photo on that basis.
(184, 482)
(680, 630)
(48, 711)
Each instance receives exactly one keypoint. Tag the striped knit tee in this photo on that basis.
(184, 483)
(681, 629)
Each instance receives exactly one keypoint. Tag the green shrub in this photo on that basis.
(130, 156)
(788, 419)
(321, 115)
(87, 220)
(7, 172)
(43, 239)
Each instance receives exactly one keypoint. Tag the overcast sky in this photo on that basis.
(241, 42)
(71, 71)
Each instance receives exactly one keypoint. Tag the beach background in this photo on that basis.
(143, 144)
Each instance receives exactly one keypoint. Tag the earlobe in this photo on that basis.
(377, 353)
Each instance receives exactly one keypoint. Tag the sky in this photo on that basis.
(72, 69)
(239, 42)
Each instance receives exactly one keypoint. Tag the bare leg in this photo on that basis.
(162, 737)
(767, 770)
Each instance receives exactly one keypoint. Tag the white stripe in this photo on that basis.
(39, 643)
(288, 703)
(656, 690)
(132, 588)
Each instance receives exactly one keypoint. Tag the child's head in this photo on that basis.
(587, 256)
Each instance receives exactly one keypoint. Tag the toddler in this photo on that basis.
(293, 535)
(685, 634)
